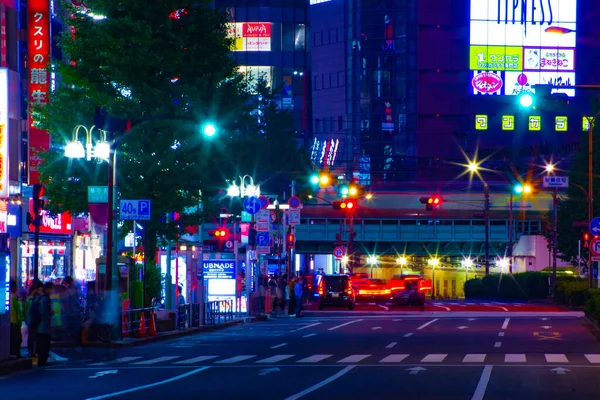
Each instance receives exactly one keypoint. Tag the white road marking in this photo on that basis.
(426, 324)
(474, 358)
(117, 361)
(516, 358)
(483, 383)
(556, 358)
(396, 320)
(279, 345)
(546, 327)
(375, 328)
(500, 334)
(344, 324)
(500, 307)
(409, 334)
(593, 358)
(156, 360)
(234, 360)
(444, 307)
(135, 389)
(505, 324)
(394, 358)
(307, 326)
(384, 307)
(434, 358)
(321, 384)
(274, 359)
(497, 344)
(315, 358)
(195, 360)
(309, 335)
(354, 358)
(389, 346)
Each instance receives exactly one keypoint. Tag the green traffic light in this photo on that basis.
(526, 100)
(518, 189)
(314, 179)
(344, 191)
(209, 130)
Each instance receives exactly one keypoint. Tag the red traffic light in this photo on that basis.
(346, 205)
(431, 202)
(220, 233)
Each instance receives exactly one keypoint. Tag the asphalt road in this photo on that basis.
(337, 355)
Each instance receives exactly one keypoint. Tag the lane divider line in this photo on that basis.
(307, 326)
(344, 324)
(309, 335)
(497, 344)
(389, 346)
(483, 383)
(279, 345)
(322, 383)
(426, 324)
(505, 324)
(409, 334)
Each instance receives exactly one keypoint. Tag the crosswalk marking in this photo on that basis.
(195, 360)
(275, 359)
(479, 358)
(354, 358)
(234, 360)
(593, 358)
(515, 358)
(394, 358)
(556, 358)
(116, 361)
(315, 358)
(156, 360)
(434, 358)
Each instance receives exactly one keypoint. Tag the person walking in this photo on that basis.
(45, 327)
(71, 308)
(16, 321)
(273, 292)
(292, 300)
(32, 315)
(281, 292)
(298, 289)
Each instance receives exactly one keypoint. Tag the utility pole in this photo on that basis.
(486, 216)
(351, 244)
(510, 234)
(554, 232)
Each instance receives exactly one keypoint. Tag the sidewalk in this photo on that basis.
(15, 365)
(139, 341)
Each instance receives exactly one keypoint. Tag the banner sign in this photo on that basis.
(218, 269)
(3, 132)
(38, 38)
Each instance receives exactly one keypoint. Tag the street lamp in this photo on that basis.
(502, 263)
(209, 130)
(373, 261)
(245, 189)
(433, 262)
(467, 263)
(401, 261)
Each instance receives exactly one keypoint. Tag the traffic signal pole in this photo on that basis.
(351, 244)
(486, 216)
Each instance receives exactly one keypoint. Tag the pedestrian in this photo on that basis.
(45, 327)
(16, 321)
(71, 309)
(273, 292)
(298, 294)
(292, 297)
(32, 315)
(281, 291)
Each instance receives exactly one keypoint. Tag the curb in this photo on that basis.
(17, 365)
(161, 336)
(592, 325)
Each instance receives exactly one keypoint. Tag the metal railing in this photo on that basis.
(130, 320)
(217, 312)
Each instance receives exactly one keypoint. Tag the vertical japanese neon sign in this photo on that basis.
(38, 36)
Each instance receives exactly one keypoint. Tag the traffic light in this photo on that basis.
(322, 179)
(347, 205)
(431, 202)
(219, 234)
(523, 188)
(291, 240)
(38, 202)
(586, 240)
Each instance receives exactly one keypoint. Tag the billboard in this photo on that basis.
(38, 38)
(250, 36)
(517, 44)
(3, 132)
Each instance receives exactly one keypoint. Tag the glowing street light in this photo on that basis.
(401, 261)
(245, 189)
(373, 261)
(526, 100)
(473, 167)
(467, 263)
(345, 260)
(209, 130)
(434, 262)
(502, 263)
(549, 168)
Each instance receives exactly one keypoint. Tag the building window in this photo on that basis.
(300, 37)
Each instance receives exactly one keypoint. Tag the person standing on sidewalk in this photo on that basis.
(298, 294)
(16, 321)
(32, 315)
(292, 301)
(45, 328)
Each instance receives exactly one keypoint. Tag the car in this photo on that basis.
(376, 290)
(359, 280)
(411, 292)
(334, 290)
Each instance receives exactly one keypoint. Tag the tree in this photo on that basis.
(574, 207)
(166, 65)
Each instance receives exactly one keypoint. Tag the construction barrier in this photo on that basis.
(142, 328)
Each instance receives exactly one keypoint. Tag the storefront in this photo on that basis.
(55, 247)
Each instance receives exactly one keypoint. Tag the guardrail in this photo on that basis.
(217, 312)
(130, 320)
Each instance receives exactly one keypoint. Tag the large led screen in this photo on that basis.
(515, 44)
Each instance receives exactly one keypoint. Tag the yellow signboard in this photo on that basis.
(535, 123)
(496, 58)
(561, 124)
(508, 122)
(481, 122)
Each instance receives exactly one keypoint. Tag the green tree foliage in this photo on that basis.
(168, 75)
(574, 207)
(152, 283)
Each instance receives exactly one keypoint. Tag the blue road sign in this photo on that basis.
(136, 210)
(252, 205)
(294, 202)
(264, 202)
(262, 239)
(595, 226)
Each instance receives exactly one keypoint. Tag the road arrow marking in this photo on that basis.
(102, 373)
(267, 371)
(415, 370)
(560, 370)
(462, 327)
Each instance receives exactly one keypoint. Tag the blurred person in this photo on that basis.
(292, 297)
(32, 315)
(281, 286)
(71, 309)
(298, 291)
(273, 292)
(16, 321)
(45, 327)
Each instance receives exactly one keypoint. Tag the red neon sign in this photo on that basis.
(61, 224)
(38, 37)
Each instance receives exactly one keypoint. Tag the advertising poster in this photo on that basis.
(3, 132)
(517, 44)
(250, 36)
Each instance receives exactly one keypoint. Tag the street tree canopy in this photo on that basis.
(167, 67)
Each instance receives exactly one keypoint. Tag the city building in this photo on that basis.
(401, 88)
